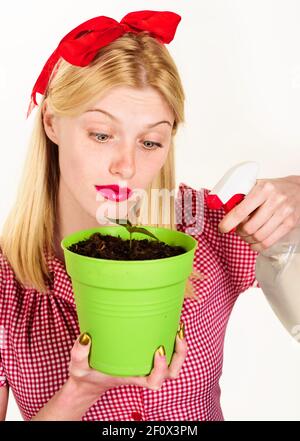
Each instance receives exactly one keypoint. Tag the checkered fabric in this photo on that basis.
(38, 331)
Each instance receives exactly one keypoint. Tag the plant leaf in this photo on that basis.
(143, 231)
(132, 229)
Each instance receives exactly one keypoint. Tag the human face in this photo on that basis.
(125, 142)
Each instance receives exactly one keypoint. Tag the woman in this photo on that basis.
(109, 115)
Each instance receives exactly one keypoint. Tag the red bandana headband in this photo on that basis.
(80, 46)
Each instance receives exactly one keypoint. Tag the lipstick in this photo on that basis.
(114, 192)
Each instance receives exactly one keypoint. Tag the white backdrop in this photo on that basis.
(240, 65)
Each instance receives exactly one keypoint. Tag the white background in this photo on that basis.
(240, 66)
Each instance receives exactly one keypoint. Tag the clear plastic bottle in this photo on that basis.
(278, 273)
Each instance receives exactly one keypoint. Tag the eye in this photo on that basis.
(100, 136)
(148, 145)
(152, 143)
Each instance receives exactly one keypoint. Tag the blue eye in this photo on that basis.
(99, 137)
(157, 144)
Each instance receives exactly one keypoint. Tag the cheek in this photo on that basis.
(81, 169)
(78, 174)
(151, 164)
(71, 166)
(76, 165)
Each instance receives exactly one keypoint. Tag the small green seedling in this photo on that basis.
(131, 229)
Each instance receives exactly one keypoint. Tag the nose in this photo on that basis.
(123, 165)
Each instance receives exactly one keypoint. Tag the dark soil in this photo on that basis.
(115, 248)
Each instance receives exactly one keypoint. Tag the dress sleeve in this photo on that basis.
(237, 255)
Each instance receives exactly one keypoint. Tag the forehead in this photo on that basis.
(133, 100)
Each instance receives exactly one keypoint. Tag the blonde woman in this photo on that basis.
(112, 103)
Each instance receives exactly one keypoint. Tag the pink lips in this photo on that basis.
(114, 192)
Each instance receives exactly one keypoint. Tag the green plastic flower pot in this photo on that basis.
(129, 308)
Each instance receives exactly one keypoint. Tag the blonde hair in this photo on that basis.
(136, 60)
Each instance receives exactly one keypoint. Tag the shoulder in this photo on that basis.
(7, 277)
(202, 222)
(195, 218)
(192, 213)
(6, 271)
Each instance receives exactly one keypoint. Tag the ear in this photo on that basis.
(49, 121)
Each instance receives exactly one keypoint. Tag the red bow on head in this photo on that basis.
(80, 46)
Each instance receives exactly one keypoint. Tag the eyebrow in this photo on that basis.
(149, 126)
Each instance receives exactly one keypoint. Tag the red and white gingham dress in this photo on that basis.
(38, 332)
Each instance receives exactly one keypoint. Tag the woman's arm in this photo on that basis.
(70, 403)
(4, 392)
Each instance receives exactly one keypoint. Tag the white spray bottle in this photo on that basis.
(277, 268)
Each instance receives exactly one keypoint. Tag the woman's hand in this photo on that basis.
(85, 385)
(95, 382)
(267, 213)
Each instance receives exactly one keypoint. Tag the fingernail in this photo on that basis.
(181, 331)
(84, 339)
(179, 326)
(161, 351)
